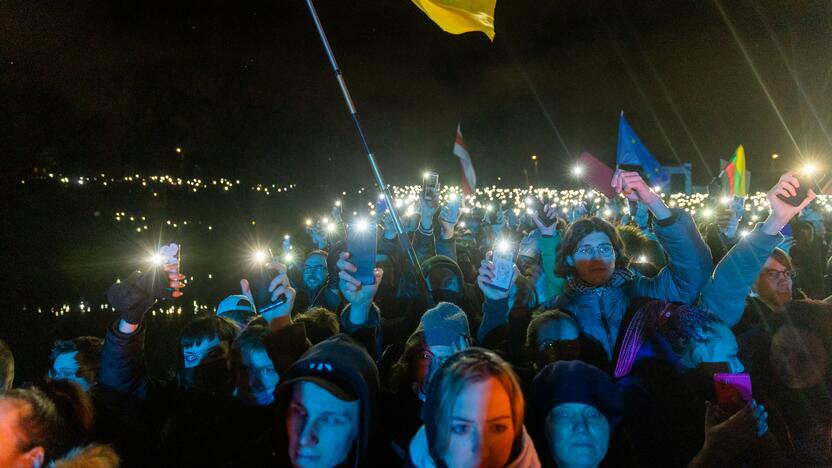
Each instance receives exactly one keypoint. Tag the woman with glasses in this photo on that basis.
(600, 285)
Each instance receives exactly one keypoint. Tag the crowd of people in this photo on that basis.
(634, 339)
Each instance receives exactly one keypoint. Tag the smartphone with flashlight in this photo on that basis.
(430, 186)
(807, 180)
(261, 278)
(361, 244)
(733, 391)
(504, 255)
(175, 292)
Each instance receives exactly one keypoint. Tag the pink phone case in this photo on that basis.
(733, 391)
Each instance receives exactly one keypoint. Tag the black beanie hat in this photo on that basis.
(574, 382)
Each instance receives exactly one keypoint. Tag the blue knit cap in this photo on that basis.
(444, 324)
(575, 382)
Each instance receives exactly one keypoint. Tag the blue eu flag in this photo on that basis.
(632, 152)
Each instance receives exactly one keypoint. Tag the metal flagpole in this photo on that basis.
(404, 240)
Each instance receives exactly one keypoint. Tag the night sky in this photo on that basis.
(244, 88)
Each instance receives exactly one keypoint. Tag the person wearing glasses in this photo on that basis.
(600, 284)
(313, 290)
(755, 279)
(76, 360)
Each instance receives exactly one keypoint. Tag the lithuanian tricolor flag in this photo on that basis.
(461, 16)
(735, 171)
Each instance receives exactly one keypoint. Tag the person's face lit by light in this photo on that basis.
(482, 428)
(66, 367)
(322, 429)
(314, 271)
(594, 258)
(578, 435)
(207, 351)
(774, 284)
(256, 377)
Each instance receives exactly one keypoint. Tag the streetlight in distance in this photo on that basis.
(536, 174)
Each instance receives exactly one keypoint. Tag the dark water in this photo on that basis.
(62, 247)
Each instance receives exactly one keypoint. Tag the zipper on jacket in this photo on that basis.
(605, 323)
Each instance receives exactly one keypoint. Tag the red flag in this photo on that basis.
(469, 178)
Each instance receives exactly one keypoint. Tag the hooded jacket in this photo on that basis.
(338, 359)
(420, 455)
(599, 311)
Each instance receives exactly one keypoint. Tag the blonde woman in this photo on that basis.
(474, 416)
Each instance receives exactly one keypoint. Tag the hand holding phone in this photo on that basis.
(172, 258)
(733, 391)
(545, 216)
(266, 277)
(430, 186)
(361, 244)
(354, 291)
(450, 212)
(797, 190)
(498, 271)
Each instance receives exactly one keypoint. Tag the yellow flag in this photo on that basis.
(461, 16)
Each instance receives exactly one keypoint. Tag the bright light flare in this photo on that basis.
(157, 259)
(503, 246)
(260, 256)
(707, 212)
(577, 171)
(809, 169)
(362, 225)
(308, 222)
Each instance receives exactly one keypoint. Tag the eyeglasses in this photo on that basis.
(430, 357)
(62, 374)
(314, 269)
(603, 250)
(774, 275)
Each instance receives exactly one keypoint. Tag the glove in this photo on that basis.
(135, 296)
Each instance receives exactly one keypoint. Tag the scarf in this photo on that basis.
(619, 277)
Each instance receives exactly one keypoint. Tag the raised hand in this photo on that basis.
(632, 186)
(782, 212)
(486, 276)
(279, 286)
(552, 213)
(427, 209)
(729, 435)
(352, 289)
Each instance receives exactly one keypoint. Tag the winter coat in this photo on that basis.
(600, 311)
(420, 454)
(726, 291)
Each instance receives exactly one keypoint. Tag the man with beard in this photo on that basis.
(600, 286)
(313, 291)
(755, 266)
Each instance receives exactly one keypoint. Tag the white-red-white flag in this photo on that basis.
(469, 178)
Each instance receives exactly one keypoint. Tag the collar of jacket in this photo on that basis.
(619, 277)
